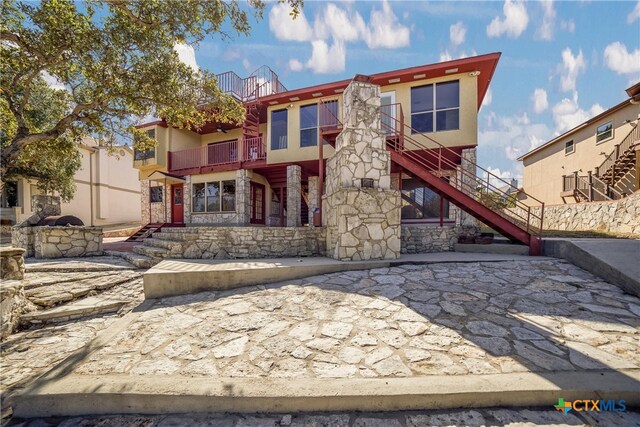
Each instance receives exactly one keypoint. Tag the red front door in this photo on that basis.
(257, 203)
(177, 204)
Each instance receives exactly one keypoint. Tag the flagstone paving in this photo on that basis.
(413, 320)
(520, 417)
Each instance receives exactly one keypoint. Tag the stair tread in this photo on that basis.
(85, 306)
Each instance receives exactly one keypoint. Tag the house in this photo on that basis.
(107, 189)
(595, 161)
(296, 148)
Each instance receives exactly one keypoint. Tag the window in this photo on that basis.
(604, 132)
(155, 194)
(309, 125)
(421, 203)
(216, 196)
(569, 147)
(444, 102)
(279, 129)
(146, 154)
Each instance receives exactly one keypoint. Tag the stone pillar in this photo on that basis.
(360, 210)
(186, 199)
(468, 182)
(12, 263)
(243, 196)
(314, 191)
(294, 194)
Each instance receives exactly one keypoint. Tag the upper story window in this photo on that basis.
(441, 100)
(279, 129)
(309, 125)
(146, 154)
(604, 132)
(569, 147)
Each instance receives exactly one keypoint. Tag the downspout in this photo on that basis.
(91, 152)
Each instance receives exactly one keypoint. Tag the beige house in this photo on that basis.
(107, 190)
(595, 161)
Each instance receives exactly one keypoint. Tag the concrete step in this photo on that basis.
(140, 261)
(492, 248)
(159, 243)
(151, 251)
(82, 308)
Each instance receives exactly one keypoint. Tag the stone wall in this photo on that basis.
(420, 238)
(58, 242)
(367, 224)
(24, 237)
(243, 242)
(12, 263)
(13, 304)
(618, 216)
(241, 214)
(157, 211)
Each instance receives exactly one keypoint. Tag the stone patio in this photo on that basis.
(454, 319)
(540, 316)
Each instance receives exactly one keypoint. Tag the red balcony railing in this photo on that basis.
(220, 153)
(253, 149)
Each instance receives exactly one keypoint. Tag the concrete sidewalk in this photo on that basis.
(615, 260)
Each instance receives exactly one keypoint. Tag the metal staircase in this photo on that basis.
(429, 162)
(621, 160)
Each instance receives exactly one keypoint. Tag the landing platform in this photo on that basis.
(183, 276)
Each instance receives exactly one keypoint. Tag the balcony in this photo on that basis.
(217, 156)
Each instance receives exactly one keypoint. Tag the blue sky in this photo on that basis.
(562, 62)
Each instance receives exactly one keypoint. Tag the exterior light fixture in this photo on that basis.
(474, 73)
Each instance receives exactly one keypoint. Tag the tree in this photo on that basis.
(116, 61)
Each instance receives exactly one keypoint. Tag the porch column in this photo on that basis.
(243, 197)
(186, 199)
(468, 182)
(314, 188)
(294, 193)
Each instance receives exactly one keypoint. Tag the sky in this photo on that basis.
(562, 62)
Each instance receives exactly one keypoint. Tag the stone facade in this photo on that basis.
(13, 304)
(242, 242)
(156, 211)
(313, 194)
(468, 184)
(294, 195)
(12, 263)
(418, 238)
(361, 211)
(618, 216)
(58, 242)
(367, 224)
(241, 214)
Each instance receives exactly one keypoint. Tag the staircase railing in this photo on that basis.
(439, 157)
(592, 188)
(262, 82)
(328, 114)
(632, 138)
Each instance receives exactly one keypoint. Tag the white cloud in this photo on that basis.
(514, 23)
(570, 68)
(620, 60)
(295, 65)
(52, 81)
(448, 56)
(540, 102)
(634, 14)
(284, 27)
(339, 24)
(384, 30)
(187, 55)
(497, 178)
(246, 64)
(569, 25)
(327, 59)
(488, 98)
(545, 32)
(567, 114)
(457, 33)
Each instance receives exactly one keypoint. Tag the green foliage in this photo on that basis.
(496, 201)
(117, 62)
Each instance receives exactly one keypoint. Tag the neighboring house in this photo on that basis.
(597, 160)
(272, 171)
(107, 189)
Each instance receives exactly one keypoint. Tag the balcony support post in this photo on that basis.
(590, 187)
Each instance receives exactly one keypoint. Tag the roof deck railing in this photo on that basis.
(262, 82)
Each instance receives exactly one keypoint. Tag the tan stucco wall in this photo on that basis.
(114, 197)
(543, 170)
(160, 159)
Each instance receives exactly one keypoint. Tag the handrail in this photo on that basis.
(327, 118)
(589, 186)
(471, 181)
(207, 155)
(262, 82)
(619, 149)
